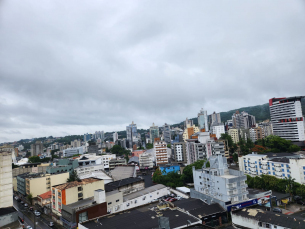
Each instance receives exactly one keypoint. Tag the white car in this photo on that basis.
(29, 227)
(37, 213)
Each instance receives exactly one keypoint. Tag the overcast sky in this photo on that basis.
(72, 67)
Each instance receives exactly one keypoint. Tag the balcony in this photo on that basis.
(231, 186)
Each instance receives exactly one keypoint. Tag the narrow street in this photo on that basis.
(30, 218)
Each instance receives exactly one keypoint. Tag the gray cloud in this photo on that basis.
(75, 66)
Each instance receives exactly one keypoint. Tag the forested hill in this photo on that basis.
(261, 113)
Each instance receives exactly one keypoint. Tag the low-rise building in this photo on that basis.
(146, 160)
(63, 165)
(282, 165)
(68, 193)
(123, 171)
(73, 151)
(126, 186)
(44, 200)
(257, 218)
(165, 169)
(84, 210)
(116, 162)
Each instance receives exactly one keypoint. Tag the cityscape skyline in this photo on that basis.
(98, 66)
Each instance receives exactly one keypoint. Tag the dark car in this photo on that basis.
(19, 200)
(277, 210)
(31, 209)
(22, 202)
(301, 202)
(297, 198)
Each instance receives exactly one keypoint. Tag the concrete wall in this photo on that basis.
(112, 201)
(9, 218)
(207, 199)
(6, 180)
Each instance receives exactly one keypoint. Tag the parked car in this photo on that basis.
(51, 224)
(172, 200)
(37, 213)
(31, 209)
(19, 200)
(167, 199)
(297, 198)
(301, 202)
(277, 210)
(179, 197)
(26, 205)
(29, 227)
(22, 202)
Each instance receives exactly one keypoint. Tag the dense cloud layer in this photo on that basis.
(70, 67)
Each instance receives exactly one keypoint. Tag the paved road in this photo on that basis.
(30, 218)
(300, 214)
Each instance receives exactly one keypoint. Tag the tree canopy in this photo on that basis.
(149, 146)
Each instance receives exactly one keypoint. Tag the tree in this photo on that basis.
(169, 146)
(149, 146)
(14, 166)
(294, 148)
(227, 137)
(30, 198)
(235, 157)
(34, 159)
(73, 176)
(187, 175)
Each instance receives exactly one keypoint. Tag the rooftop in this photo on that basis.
(122, 172)
(141, 218)
(46, 195)
(143, 192)
(271, 217)
(133, 159)
(280, 159)
(119, 183)
(8, 210)
(76, 183)
(81, 203)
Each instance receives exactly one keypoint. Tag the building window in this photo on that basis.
(79, 188)
(267, 225)
(109, 203)
(83, 217)
(117, 200)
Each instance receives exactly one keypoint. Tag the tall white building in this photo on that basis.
(218, 130)
(287, 118)
(115, 136)
(6, 180)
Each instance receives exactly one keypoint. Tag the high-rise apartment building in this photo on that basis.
(189, 131)
(234, 135)
(75, 143)
(115, 136)
(167, 133)
(287, 118)
(203, 120)
(216, 120)
(243, 120)
(160, 148)
(87, 137)
(154, 133)
(256, 133)
(267, 127)
(37, 148)
(131, 131)
(180, 152)
(188, 122)
(6, 180)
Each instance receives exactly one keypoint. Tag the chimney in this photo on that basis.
(99, 196)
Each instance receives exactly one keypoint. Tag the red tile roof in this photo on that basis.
(46, 195)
